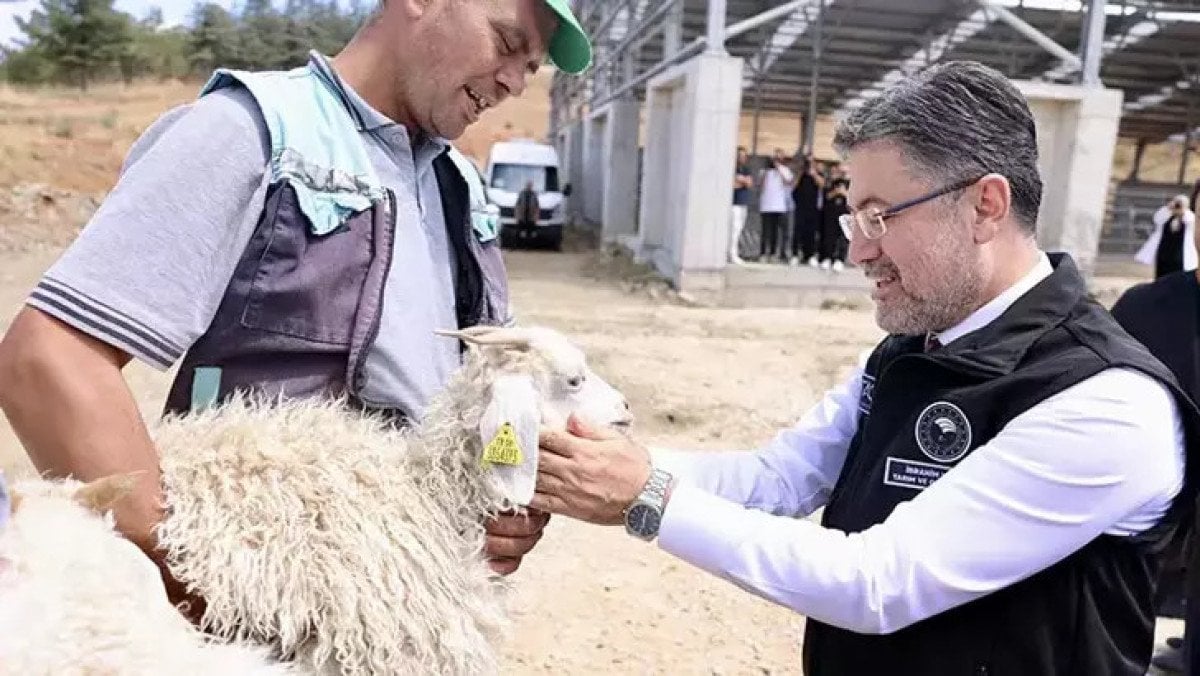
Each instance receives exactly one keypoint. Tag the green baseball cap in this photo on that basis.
(570, 50)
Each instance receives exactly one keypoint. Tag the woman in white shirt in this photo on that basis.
(776, 181)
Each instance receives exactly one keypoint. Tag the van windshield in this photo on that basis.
(513, 177)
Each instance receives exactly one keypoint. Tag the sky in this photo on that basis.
(175, 12)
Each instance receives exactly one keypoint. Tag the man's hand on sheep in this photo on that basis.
(589, 474)
(511, 536)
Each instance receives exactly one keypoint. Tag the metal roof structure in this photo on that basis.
(831, 55)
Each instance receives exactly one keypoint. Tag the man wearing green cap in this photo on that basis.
(298, 233)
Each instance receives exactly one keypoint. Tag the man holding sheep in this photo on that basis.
(997, 478)
(298, 233)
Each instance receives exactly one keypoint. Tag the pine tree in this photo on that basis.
(214, 39)
(262, 36)
(81, 39)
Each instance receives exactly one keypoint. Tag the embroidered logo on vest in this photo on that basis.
(943, 432)
(867, 394)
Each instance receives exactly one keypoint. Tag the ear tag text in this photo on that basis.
(504, 449)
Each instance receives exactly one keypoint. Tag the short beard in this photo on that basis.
(951, 299)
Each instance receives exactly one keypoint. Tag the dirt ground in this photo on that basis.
(591, 600)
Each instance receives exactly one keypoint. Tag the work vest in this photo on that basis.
(920, 414)
(303, 306)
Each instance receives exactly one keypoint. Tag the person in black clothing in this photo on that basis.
(833, 242)
(743, 182)
(1171, 247)
(1172, 300)
(526, 210)
(806, 219)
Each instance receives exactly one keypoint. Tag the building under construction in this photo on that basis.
(649, 135)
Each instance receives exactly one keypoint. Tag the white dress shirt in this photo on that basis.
(775, 190)
(1103, 456)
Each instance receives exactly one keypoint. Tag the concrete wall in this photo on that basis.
(570, 156)
(615, 153)
(664, 99)
(691, 143)
(1077, 137)
(594, 168)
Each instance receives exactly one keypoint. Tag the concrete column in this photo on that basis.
(687, 192)
(572, 160)
(1077, 137)
(663, 97)
(716, 28)
(673, 30)
(592, 183)
(618, 203)
(810, 118)
(1091, 41)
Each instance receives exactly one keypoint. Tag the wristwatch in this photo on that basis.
(644, 515)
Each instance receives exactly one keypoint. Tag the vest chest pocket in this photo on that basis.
(307, 285)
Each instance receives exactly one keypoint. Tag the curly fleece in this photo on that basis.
(78, 599)
(344, 543)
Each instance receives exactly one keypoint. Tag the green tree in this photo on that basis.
(157, 51)
(302, 28)
(81, 39)
(25, 66)
(262, 37)
(214, 39)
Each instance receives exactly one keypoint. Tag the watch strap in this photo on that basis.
(655, 490)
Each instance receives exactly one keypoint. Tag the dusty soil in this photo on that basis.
(591, 600)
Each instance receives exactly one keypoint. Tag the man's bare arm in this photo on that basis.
(68, 402)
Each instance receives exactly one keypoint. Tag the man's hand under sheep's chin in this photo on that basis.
(511, 536)
(589, 474)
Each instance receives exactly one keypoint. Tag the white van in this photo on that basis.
(513, 164)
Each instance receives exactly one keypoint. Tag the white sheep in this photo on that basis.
(77, 598)
(351, 546)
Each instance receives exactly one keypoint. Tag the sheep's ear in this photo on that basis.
(508, 430)
(102, 494)
(498, 336)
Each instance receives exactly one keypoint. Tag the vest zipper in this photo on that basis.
(360, 380)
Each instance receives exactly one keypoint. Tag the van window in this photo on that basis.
(513, 177)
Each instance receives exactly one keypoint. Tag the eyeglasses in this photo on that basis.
(871, 223)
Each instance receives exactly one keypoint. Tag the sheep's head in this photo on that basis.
(557, 371)
(536, 377)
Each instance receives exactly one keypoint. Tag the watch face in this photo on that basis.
(643, 520)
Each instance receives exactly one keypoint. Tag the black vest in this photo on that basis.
(920, 415)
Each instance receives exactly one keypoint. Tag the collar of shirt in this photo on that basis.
(996, 307)
(368, 119)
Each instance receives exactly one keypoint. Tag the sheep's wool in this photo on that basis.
(340, 541)
(77, 599)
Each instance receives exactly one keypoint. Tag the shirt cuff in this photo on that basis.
(700, 528)
(104, 323)
(671, 460)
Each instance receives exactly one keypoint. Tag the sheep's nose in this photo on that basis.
(624, 418)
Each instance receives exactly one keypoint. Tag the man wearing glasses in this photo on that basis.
(996, 478)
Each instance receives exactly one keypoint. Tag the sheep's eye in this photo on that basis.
(575, 381)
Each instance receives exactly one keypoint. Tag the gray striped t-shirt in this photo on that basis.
(149, 270)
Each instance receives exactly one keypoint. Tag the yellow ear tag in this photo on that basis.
(503, 449)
